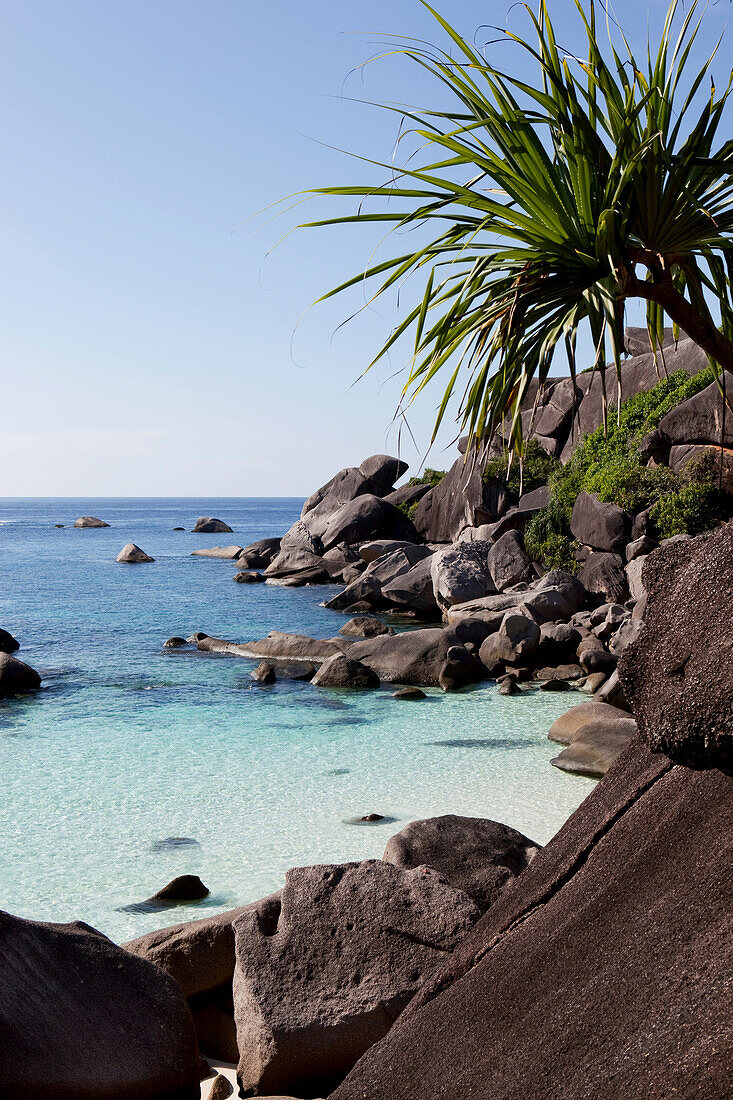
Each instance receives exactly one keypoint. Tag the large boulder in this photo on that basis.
(378, 575)
(16, 677)
(678, 674)
(365, 626)
(516, 640)
(222, 553)
(476, 855)
(413, 590)
(603, 971)
(700, 419)
(556, 596)
(383, 469)
(637, 342)
(407, 495)
(412, 657)
(210, 525)
(460, 573)
(598, 525)
(719, 461)
(341, 671)
(81, 1019)
(258, 555)
(133, 555)
(353, 944)
(278, 645)
(603, 575)
(461, 499)
(508, 562)
(90, 521)
(566, 728)
(638, 374)
(366, 517)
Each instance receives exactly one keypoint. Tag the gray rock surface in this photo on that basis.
(595, 746)
(473, 854)
(412, 657)
(341, 671)
(133, 555)
(566, 727)
(353, 944)
(8, 644)
(81, 1019)
(508, 562)
(515, 641)
(603, 574)
(598, 525)
(225, 553)
(460, 573)
(365, 626)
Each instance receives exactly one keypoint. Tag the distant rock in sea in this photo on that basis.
(209, 525)
(228, 553)
(130, 554)
(90, 521)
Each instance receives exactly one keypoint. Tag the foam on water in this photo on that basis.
(128, 744)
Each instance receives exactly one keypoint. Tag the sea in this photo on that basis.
(128, 744)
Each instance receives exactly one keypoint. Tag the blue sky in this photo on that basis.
(147, 338)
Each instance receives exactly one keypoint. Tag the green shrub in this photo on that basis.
(609, 465)
(428, 477)
(692, 509)
(535, 470)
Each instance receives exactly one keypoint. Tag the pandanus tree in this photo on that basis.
(545, 206)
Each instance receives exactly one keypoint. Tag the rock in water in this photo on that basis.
(133, 555)
(365, 626)
(81, 1019)
(264, 673)
(225, 553)
(353, 944)
(678, 674)
(209, 525)
(595, 747)
(8, 644)
(473, 854)
(16, 677)
(184, 888)
(343, 672)
(174, 643)
(409, 693)
(90, 521)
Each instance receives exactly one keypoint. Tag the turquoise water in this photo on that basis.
(128, 743)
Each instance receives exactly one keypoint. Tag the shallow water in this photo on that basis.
(128, 743)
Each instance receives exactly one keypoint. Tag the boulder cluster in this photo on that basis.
(297, 986)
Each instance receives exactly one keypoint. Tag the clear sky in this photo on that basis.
(146, 336)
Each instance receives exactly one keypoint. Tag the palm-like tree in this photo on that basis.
(553, 205)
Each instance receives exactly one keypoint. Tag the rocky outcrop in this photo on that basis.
(701, 419)
(415, 657)
(277, 645)
(678, 674)
(226, 553)
(461, 499)
(719, 460)
(258, 555)
(515, 641)
(375, 476)
(595, 746)
(209, 525)
(16, 677)
(508, 562)
(593, 974)
(476, 855)
(81, 1019)
(352, 945)
(366, 517)
(130, 554)
(90, 521)
(603, 574)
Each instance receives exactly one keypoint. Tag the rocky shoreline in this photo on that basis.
(468, 960)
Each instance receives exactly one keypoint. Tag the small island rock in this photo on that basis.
(130, 554)
(90, 521)
(16, 677)
(209, 525)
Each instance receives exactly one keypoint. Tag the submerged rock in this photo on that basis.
(133, 555)
(264, 673)
(174, 643)
(180, 890)
(595, 746)
(409, 693)
(248, 577)
(226, 553)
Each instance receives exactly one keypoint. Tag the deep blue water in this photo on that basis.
(128, 743)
